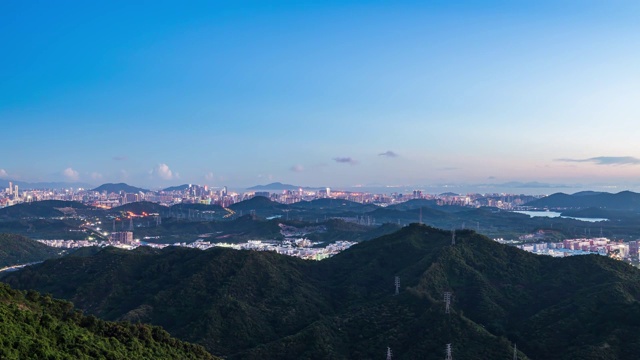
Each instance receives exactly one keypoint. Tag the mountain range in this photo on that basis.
(261, 305)
(116, 188)
(625, 200)
(278, 186)
(23, 185)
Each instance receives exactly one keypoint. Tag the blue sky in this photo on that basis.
(313, 92)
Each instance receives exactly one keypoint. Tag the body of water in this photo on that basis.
(554, 214)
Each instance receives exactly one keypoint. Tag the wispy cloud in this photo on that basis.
(163, 172)
(345, 160)
(71, 174)
(209, 176)
(606, 160)
(297, 168)
(388, 153)
(120, 158)
(96, 176)
(3, 173)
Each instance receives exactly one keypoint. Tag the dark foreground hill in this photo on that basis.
(253, 305)
(16, 249)
(33, 326)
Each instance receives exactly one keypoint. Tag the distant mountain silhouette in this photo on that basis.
(182, 187)
(277, 186)
(625, 200)
(22, 185)
(116, 188)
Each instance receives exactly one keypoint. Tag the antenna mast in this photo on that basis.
(397, 283)
(389, 353)
(453, 237)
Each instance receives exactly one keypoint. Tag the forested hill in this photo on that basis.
(33, 326)
(259, 305)
(16, 250)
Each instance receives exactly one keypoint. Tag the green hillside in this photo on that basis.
(16, 250)
(40, 209)
(34, 326)
(255, 305)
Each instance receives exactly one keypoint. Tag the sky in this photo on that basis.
(321, 93)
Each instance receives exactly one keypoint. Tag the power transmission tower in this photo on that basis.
(515, 352)
(397, 283)
(453, 237)
(449, 356)
(447, 302)
(420, 215)
(389, 353)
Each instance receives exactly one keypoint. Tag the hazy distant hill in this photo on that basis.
(116, 188)
(276, 186)
(182, 187)
(22, 185)
(16, 250)
(35, 326)
(625, 200)
(259, 305)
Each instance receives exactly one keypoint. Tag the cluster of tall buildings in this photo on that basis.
(584, 246)
(222, 196)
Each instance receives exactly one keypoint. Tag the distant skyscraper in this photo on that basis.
(328, 192)
(10, 188)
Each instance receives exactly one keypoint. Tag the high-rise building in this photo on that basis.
(122, 237)
(10, 188)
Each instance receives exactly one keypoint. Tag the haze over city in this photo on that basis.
(322, 93)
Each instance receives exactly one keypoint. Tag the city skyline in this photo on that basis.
(334, 94)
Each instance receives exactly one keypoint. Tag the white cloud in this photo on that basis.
(297, 168)
(163, 172)
(3, 173)
(71, 174)
(607, 160)
(209, 176)
(96, 175)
